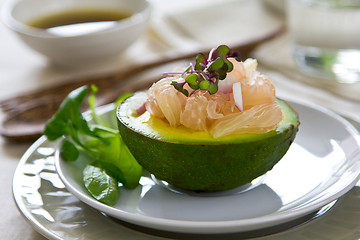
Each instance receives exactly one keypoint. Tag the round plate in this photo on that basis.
(320, 166)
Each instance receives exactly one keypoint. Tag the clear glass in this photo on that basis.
(326, 37)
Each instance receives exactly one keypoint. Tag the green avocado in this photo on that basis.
(194, 160)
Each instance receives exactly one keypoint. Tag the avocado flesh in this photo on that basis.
(194, 160)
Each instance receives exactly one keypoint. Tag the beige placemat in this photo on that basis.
(198, 26)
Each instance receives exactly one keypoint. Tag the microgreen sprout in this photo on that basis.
(206, 72)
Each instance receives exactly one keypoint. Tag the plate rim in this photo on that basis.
(40, 228)
(224, 226)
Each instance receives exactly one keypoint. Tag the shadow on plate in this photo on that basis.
(230, 236)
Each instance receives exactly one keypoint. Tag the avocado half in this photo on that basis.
(194, 160)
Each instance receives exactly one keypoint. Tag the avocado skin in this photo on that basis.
(207, 167)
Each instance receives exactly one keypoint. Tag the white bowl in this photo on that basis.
(80, 47)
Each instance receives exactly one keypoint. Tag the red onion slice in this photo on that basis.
(238, 96)
(141, 109)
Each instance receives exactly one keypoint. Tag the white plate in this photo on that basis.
(320, 166)
(55, 213)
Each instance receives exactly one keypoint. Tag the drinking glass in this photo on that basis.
(326, 37)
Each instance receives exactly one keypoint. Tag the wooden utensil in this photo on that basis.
(27, 114)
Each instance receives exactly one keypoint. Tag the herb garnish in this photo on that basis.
(112, 161)
(207, 72)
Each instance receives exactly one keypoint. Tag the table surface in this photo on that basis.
(23, 70)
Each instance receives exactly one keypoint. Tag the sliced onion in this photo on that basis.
(238, 96)
(140, 110)
(225, 86)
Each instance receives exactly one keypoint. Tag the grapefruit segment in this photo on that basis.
(243, 89)
(259, 119)
(194, 115)
(258, 90)
(164, 101)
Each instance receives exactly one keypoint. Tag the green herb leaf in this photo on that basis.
(111, 170)
(188, 69)
(101, 185)
(200, 60)
(92, 104)
(204, 85)
(222, 51)
(180, 87)
(229, 65)
(213, 88)
(68, 120)
(110, 148)
(193, 80)
(216, 65)
(68, 150)
(223, 71)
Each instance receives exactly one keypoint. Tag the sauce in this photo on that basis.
(79, 21)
